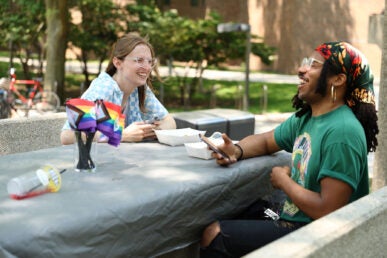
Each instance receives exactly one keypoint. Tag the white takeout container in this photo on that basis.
(200, 149)
(176, 137)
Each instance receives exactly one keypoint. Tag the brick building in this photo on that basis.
(294, 26)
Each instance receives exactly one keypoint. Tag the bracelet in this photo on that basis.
(241, 151)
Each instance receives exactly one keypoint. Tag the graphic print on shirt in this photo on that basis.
(302, 151)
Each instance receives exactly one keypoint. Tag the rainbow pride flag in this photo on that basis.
(100, 115)
(110, 121)
(81, 114)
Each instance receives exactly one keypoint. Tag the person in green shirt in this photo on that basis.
(329, 136)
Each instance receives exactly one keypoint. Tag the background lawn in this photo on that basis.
(228, 94)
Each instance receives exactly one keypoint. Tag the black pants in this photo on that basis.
(247, 232)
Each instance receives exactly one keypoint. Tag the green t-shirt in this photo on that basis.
(331, 145)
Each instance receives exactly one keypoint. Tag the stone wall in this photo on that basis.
(29, 134)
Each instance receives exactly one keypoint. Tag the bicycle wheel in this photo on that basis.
(46, 101)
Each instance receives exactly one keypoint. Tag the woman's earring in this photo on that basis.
(333, 93)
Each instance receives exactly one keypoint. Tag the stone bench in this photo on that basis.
(359, 229)
(236, 123)
(29, 134)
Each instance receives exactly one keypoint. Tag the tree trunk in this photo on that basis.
(380, 162)
(57, 24)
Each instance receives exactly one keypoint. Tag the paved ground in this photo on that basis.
(269, 121)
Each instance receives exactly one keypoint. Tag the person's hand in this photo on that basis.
(279, 176)
(227, 147)
(157, 125)
(138, 131)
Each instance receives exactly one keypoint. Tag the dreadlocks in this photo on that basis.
(364, 112)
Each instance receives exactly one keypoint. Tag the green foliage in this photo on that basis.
(23, 27)
(264, 51)
(229, 95)
(4, 70)
(194, 42)
(217, 48)
(175, 38)
(22, 21)
(165, 30)
(183, 39)
(96, 33)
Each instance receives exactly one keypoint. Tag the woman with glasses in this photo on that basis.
(127, 82)
(329, 136)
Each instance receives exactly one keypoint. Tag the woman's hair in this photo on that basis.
(364, 112)
(123, 47)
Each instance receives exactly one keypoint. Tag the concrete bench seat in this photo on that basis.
(359, 229)
(236, 123)
(29, 134)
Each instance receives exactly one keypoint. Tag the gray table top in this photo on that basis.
(144, 200)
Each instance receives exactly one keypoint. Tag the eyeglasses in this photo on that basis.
(143, 62)
(307, 62)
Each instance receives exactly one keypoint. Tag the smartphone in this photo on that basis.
(152, 121)
(212, 146)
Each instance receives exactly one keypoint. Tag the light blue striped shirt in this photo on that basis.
(104, 87)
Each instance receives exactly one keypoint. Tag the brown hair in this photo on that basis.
(123, 47)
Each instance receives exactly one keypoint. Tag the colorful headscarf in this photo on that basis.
(355, 66)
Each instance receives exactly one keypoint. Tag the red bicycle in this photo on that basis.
(30, 97)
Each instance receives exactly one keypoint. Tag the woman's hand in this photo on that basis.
(138, 131)
(168, 122)
(67, 137)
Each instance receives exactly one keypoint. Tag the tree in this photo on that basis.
(380, 161)
(23, 31)
(57, 24)
(95, 34)
(194, 42)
